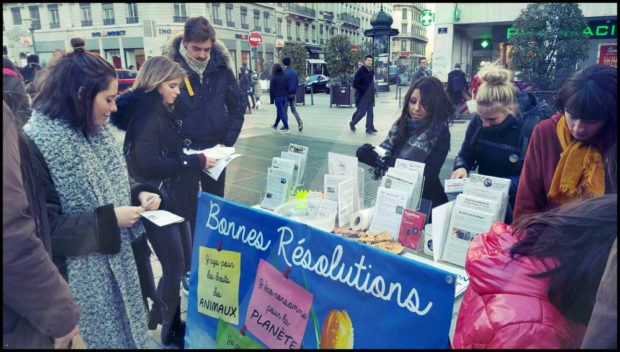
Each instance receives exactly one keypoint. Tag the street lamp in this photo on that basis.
(381, 33)
(31, 28)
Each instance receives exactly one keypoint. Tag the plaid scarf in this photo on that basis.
(417, 133)
(194, 65)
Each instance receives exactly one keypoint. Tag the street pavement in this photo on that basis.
(325, 129)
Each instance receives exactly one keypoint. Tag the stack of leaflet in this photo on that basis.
(344, 184)
(400, 189)
(484, 201)
(284, 176)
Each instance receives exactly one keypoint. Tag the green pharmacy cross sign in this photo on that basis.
(427, 17)
(484, 44)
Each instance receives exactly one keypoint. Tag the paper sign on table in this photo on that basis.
(278, 310)
(229, 338)
(218, 284)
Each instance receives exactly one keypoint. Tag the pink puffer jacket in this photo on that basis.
(503, 307)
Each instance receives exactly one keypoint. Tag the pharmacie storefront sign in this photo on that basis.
(108, 33)
(594, 30)
(260, 280)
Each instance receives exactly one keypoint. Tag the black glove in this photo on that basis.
(367, 155)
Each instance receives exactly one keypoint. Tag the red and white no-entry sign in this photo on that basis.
(255, 39)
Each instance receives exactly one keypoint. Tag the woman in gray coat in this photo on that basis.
(89, 199)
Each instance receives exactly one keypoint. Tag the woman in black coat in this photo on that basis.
(420, 134)
(278, 92)
(154, 150)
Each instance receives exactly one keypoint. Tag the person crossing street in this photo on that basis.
(364, 96)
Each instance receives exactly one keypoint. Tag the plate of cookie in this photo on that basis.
(382, 240)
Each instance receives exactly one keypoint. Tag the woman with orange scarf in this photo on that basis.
(567, 154)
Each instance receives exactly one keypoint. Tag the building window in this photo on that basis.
(306, 33)
(404, 14)
(313, 33)
(180, 12)
(297, 30)
(17, 16)
(266, 22)
(108, 13)
(244, 18)
(279, 28)
(404, 31)
(229, 16)
(54, 18)
(403, 45)
(87, 19)
(132, 12)
(288, 30)
(34, 16)
(257, 20)
(216, 14)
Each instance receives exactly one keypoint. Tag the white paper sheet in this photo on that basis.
(345, 201)
(345, 165)
(298, 159)
(388, 212)
(330, 186)
(277, 188)
(161, 217)
(223, 155)
(441, 221)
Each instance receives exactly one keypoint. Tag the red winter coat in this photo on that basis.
(503, 307)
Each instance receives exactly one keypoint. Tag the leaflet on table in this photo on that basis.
(493, 183)
(454, 185)
(301, 150)
(277, 188)
(330, 186)
(402, 184)
(469, 201)
(388, 212)
(298, 159)
(345, 165)
(465, 224)
(161, 217)
(410, 165)
(462, 280)
(414, 177)
(439, 230)
(346, 193)
(288, 165)
(360, 187)
(321, 208)
(498, 196)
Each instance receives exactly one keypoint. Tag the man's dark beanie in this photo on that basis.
(32, 58)
(286, 61)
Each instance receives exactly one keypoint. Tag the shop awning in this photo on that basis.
(314, 49)
(316, 61)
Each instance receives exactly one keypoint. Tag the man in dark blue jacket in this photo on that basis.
(211, 103)
(292, 79)
(364, 96)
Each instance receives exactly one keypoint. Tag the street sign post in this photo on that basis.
(255, 39)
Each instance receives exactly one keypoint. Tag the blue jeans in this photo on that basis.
(281, 112)
(364, 108)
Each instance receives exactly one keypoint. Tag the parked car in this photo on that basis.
(319, 83)
(125, 79)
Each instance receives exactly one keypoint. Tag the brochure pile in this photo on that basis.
(284, 176)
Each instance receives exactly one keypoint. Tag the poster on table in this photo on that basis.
(262, 281)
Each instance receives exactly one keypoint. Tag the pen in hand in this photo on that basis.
(149, 201)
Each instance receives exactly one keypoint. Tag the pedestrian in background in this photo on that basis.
(567, 154)
(534, 286)
(38, 311)
(278, 94)
(14, 92)
(363, 82)
(422, 71)
(257, 92)
(154, 151)
(210, 107)
(457, 82)
(420, 134)
(30, 70)
(497, 137)
(93, 212)
(244, 85)
(293, 80)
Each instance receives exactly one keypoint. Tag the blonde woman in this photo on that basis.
(153, 149)
(494, 141)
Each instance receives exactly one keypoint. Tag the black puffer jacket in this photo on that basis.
(214, 113)
(157, 152)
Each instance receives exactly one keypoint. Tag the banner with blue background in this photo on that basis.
(261, 280)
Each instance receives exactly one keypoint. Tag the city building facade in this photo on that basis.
(410, 43)
(470, 33)
(128, 33)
